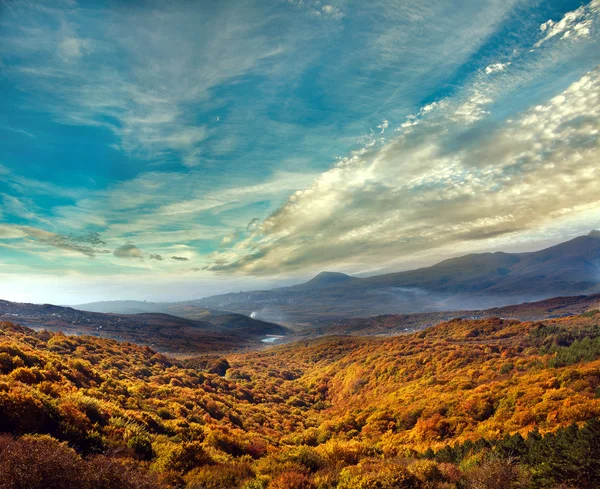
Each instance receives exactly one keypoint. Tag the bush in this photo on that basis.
(185, 457)
(39, 463)
(291, 480)
(104, 473)
(223, 476)
(306, 456)
(377, 476)
(23, 411)
(141, 446)
(495, 474)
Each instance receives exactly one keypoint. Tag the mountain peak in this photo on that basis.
(329, 278)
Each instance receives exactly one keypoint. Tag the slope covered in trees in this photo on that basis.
(467, 404)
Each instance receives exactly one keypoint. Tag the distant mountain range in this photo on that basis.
(475, 281)
(335, 303)
(163, 332)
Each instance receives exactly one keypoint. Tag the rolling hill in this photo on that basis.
(164, 332)
(468, 404)
(395, 324)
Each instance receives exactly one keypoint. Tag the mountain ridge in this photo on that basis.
(474, 281)
(469, 282)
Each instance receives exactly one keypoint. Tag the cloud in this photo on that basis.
(575, 24)
(473, 109)
(230, 238)
(90, 244)
(19, 131)
(383, 126)
(179, 258)
(434, 186)
(156, 257)
(316, 9)
(72, 48)
(128, 251)
(278, 184)
(22, 209)
(253, 224)
(169, 68)
(8, 231)
(496, 67)
(331, 11)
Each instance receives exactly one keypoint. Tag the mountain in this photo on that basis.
(474, 281)
(164, 332)
(123, 307)
(471, 282)
(324, 279)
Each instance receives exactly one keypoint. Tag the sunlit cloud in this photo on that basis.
(279, 138)
(423, 190)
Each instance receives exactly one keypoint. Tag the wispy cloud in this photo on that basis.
(167, 68)
(431, 188)
(19, 131)
(89, 244)
(21, 209)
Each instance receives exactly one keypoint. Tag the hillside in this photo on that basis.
(163, 332)
(394, 324)
(476, 281)
(428, 410)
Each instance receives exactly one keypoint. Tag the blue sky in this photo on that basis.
(171, 150)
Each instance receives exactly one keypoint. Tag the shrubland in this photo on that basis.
(466, 404)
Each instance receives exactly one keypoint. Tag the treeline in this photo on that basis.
(569, 456)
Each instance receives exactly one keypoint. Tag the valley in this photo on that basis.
(300, 244)
(180, 395)
(163, 332)
(442, 408)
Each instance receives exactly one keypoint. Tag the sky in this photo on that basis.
(170, 150)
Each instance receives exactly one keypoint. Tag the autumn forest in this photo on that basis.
(466, 404)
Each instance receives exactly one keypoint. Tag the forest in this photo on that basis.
(467, 404)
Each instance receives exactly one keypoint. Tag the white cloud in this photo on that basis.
(575, 24)
(496, 68)
(332, 11)
(72, 48)
(473, 109)
(383, 126)
(423, 191)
